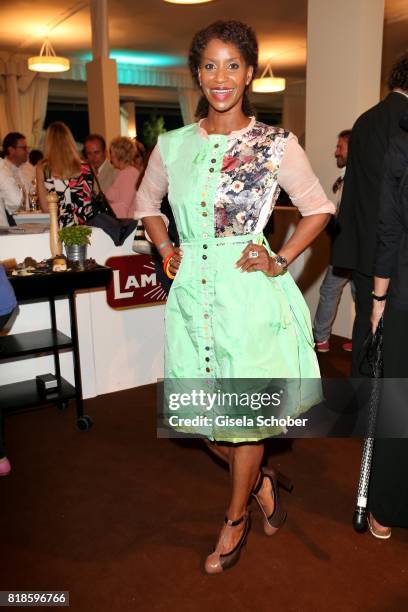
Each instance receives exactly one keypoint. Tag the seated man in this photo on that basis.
(10, 196)
(96, 156)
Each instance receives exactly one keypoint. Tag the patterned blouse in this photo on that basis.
(259, 160)
(75, 197)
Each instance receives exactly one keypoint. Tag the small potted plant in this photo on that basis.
(75, 239)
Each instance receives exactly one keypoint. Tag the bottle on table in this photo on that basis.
(33, 196)
(23, 199)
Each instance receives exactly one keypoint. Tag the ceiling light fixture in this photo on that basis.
(268, 84)
(187, 1)
(48, 61)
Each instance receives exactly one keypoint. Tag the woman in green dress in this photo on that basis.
(233, 312)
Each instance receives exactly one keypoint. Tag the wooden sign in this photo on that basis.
(134, 282)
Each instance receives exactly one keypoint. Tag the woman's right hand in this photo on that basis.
(376, 314)
(175, 261)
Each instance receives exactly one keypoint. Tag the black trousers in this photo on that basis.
(362, 325)
(388, 494)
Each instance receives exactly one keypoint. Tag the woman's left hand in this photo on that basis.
(175, 261)
(262, 262)
(376, 314)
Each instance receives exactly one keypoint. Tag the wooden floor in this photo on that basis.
(123, 520)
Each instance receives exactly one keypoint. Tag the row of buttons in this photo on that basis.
(204, 213)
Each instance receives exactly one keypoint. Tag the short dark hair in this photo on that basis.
(35, 156)
(398, 77)
(344, 134)
(234, 32)
(96, 137)
(11, 140)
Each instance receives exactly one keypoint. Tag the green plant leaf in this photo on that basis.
(152, 130)
(75, 234)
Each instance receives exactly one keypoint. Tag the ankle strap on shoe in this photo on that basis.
(230, 523)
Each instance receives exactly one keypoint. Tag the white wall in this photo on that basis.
(344, 49)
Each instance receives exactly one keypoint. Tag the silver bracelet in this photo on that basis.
(163, 244)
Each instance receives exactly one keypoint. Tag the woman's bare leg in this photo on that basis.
(222, 451)
(245, 461)
(265, 494)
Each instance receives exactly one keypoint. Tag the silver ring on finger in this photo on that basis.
(253, 254)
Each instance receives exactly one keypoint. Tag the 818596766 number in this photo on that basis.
(34, 598)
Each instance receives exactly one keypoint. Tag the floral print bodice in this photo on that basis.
(248, 185)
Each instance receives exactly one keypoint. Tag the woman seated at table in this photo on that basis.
(121, 194)
(63, 172)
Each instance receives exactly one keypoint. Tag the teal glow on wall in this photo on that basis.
(141, 58)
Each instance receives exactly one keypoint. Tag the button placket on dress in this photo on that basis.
(205, 212)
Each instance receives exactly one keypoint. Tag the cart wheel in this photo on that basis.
(84, 423)
(62, 405)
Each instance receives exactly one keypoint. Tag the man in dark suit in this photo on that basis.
(355, 243)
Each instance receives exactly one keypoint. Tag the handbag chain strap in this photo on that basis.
(95, 178)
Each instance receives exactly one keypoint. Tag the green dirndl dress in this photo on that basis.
(227, 330)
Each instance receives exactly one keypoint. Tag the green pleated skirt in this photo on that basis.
(227, 329)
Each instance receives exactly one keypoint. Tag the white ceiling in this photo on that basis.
(156, 26)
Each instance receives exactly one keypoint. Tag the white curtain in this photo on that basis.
(23, 100)
(188, 100)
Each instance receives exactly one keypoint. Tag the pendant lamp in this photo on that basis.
(267, 83)
(48, 61)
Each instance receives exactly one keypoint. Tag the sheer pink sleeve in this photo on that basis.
(152, 189)
(297, 178)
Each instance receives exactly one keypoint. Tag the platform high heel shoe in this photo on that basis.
(274, 521)
(216, 563)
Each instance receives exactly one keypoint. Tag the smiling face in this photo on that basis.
(223, 75)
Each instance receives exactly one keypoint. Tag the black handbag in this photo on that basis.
(100, 202)
(117, 229)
